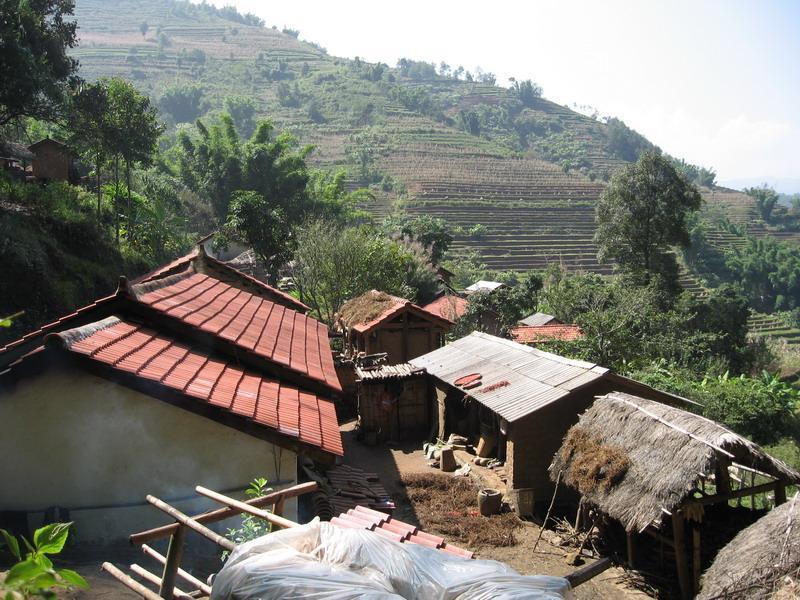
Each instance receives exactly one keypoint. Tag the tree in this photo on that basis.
(36, 73)
(184, 102)
(144, 28)
(431, 232)
(89, 126)
(133, 134)
(526, 91)
(333, 264)
(766, 199)
(265, 227)
(242, 110)
(641, 214)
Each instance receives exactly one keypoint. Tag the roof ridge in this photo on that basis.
(68, 337)
(137, 290)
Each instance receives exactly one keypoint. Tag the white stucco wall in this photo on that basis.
(75, 440)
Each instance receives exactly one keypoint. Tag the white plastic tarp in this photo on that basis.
(325, 562)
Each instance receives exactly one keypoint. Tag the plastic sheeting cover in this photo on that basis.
(324, 562)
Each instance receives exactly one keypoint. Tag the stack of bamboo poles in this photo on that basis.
(176, 532)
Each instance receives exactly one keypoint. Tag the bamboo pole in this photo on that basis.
(183, 519)
(246, 508)
(186, 576)
(221, 514)
(130, 582)
(156, 580)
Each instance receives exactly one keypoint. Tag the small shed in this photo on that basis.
(484, 286)
(655, 469)
(539, 318)
(392, 401)
(762, 560)
(51, 160)
(379, 322)
(520, 400)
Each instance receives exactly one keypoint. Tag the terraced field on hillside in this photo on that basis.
(774, 327)
(533, 211)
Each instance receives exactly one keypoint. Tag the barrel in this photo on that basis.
(489, 501)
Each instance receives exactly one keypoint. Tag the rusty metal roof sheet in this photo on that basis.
(534, 378)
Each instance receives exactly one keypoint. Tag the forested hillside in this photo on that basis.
(516, 175)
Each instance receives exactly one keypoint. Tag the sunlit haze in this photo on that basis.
(711, 82)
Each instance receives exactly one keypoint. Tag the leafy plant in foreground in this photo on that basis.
(252, 527)
(34, 575)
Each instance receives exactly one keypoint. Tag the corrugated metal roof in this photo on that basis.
(381, 372)
(534, 378)
(539, 318)
(484, 286)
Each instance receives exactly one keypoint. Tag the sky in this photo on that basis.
(714, 82)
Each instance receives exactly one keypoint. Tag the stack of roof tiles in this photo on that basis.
(387, 526)
(351, 487)
(215, 337)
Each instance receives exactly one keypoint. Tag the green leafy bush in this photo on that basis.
(33, 575)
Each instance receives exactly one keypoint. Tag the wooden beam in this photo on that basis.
(631, 547)
(717, 498)
(130, 582)
(586, 573)
(183, 519)
(172, 564)
(246, 508)
(681, 562)
(405, 336)
(221, 514)
(697, 566)
(187, 577)
(780, 492)
(722, 478)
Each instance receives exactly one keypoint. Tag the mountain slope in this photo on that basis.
(528, 174)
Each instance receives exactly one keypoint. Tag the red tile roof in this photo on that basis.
(265, 328)
(447, 307)
(134, 349)
(198, 254)
(546, 333)
(393, 529)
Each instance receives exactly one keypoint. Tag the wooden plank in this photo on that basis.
(631, 547)
(186, 576)
(243, 507)
(697, 567)
(716, 498)
(172, 564)
(221, 514)
(220, 541)
(130, 582)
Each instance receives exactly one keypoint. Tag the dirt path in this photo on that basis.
(393, 461)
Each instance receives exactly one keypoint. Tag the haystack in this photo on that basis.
(758, 561)
(665, 449)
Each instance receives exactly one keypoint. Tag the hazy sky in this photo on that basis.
(714, 82)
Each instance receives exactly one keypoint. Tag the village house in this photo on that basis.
(190, 374)
(518, 402)
(377, 322)
(669, 474)
(51, 161)
(538, 319)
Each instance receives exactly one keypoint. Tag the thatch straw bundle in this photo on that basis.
(756, 563)
(365, 308)
(666, 448)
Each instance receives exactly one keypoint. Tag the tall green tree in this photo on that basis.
(642, 214)
(36, 73)
(766, 199)
(132, 136)
(89, 127)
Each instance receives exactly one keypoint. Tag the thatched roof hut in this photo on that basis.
(756, 562)
(655, 454)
